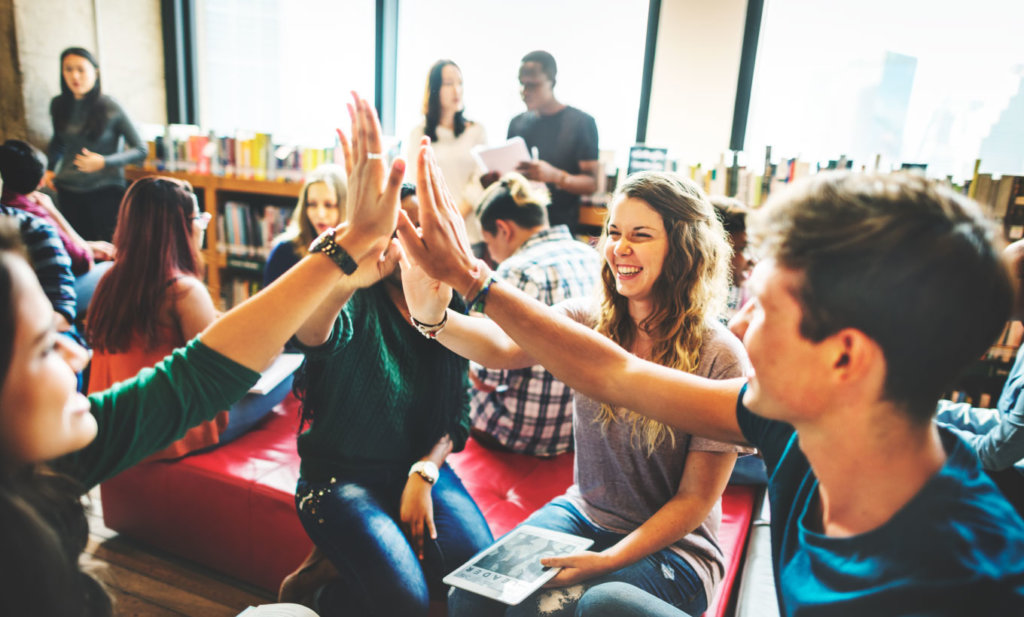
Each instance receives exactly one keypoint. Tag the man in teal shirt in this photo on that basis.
(873, 292)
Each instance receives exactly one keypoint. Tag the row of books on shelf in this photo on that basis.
(981, 399)
(982, 382)
(247, 155)
(1005, 348)
(1003, 197)
(246, 233)
(752, 186)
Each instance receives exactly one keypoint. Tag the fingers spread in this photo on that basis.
(373, 129)
(346, 151)
(357, 146)
(410, 238)
(394, 185)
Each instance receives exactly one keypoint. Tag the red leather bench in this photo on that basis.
(232, 508)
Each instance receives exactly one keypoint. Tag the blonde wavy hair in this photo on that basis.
(690, 291)
(300, 231)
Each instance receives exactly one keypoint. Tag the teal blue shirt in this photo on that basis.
(956, 548)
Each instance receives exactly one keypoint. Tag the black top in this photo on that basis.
(562, 139)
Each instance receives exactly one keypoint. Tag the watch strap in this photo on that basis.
(426, 470)
(325, 244)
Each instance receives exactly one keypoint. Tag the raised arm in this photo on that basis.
(581, 358)
(254, 332)
(475, 338)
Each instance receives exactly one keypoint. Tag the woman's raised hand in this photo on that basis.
(440, 247)
(346, 151)
(427, 298)
(372, 206)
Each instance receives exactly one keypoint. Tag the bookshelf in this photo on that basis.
(214, 194)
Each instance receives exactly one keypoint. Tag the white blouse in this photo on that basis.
(459, 168)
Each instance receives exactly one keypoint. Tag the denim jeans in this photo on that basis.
(355, 521)
(664, 574)
(623, 600)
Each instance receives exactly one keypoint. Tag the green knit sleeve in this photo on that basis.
(142, 415)
(341, 332)
(459, 431)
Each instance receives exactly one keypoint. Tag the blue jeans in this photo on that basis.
(623, 600)
(664, 574)
(355, 522)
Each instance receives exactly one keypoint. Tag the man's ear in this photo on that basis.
(855, 353)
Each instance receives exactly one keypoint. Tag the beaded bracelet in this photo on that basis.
(430, 330)
(478, 301)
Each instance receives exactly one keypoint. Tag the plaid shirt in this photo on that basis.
(49, 260)
(528, 410)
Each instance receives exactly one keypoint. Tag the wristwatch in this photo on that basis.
(427, 470)
(325, 244)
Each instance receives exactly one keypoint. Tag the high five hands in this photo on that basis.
(440, 246)
(371, 209)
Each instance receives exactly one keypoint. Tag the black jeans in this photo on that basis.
(93, 214)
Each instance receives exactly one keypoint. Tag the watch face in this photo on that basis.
(427, 470)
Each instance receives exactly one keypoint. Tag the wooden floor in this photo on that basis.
(147, 582)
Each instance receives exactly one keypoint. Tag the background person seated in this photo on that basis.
(997, 435)
(23, 167)
(152, 300)
(528, 410)
(321, 206)
(733, 215)
(50, 262)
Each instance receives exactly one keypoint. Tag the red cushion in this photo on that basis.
(509, 487)
(232, 509)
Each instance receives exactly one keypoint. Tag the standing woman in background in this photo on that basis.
(93, 139)
(452, 137)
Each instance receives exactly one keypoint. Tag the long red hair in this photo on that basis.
(154, 241)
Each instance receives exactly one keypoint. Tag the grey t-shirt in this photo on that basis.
(618, 486)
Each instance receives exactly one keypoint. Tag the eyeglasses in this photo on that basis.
(202, 220)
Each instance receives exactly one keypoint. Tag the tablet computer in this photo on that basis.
(510, 569)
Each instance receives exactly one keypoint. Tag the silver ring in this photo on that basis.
(374, 155)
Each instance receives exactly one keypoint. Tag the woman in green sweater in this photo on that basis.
(55, 443)
(389, 518)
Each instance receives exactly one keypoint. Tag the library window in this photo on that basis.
(937, 84)
(599, 50)
(283, 66)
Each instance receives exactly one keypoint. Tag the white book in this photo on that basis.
(277, 610)
(503, 158)
(284, 365)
